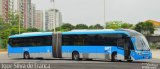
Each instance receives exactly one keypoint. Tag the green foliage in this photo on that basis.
(81, 26)
(9, 28)
(32, 30)
(91, 27)
(118, 25)
(145, 28)
(126, 26)
(67, 27)
(97, 26)
(64, 27)
(152, 46)
(113, 25)
(15, 30)
(4, 36)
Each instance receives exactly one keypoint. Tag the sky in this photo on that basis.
(91, 12)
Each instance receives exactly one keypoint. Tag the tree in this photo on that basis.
(4, 36)
(126, 26)
(9, 28)
(146, 28)
(118, 25)
(32, 30)
(81, 26)
(91, 27)
(98, 26)
(113, 25)
(15, 30)
(67, 27)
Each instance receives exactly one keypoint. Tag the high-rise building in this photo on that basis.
(0, 7)
(53, 18)
(4, 9)
(32, 15)
(24, 8)
(39, 19)
(11, 5)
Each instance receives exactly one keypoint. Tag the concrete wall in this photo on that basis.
(153, 39)
(156, 53)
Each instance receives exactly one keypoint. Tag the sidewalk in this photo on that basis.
(156, 53)
(3, 51)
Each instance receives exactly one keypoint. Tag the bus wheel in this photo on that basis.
(75, 56)
(129, 60)
(114, 56)
(26, 55)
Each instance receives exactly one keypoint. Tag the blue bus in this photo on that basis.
(122, 44)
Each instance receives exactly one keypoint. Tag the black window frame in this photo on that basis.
(93, 39)
(31, 41)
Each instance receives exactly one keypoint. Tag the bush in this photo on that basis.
(153, 46)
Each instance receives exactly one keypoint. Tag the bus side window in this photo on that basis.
(120, 42)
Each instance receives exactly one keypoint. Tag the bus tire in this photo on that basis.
(129, 60)
(75, 56)
(113, 56)
(26, 55)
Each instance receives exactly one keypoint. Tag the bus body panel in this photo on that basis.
(139, 55)
(35, 51)
(97, 52)
(41, 51)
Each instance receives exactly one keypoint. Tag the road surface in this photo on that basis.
(70, 64)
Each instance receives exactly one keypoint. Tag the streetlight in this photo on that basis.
(104, 11)
(19, 24)
(19, 15)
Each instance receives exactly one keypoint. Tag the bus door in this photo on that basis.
(124, 45)
(127, 48)
(56, 45)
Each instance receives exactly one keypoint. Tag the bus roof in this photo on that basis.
(31, 34)
(109, 31)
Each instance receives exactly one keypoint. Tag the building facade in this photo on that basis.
(24, 9)
(0, 7)
(53, 18)
(39, 19)
(32, 15)
(4, 9)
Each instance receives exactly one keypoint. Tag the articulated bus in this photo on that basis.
(122, 44)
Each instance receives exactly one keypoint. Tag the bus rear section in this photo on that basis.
(30, 45)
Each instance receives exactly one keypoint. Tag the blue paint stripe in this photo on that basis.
(38, 49)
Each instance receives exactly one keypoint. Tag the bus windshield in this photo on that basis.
(142, 43)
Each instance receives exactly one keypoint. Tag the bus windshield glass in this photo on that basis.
(142, 43)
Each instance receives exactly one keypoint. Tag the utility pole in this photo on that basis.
(104, 12)
(19, 15)
(54, 9)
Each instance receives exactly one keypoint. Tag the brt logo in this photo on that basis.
(107, 49)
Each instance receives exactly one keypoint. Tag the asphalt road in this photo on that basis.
(6, 62)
